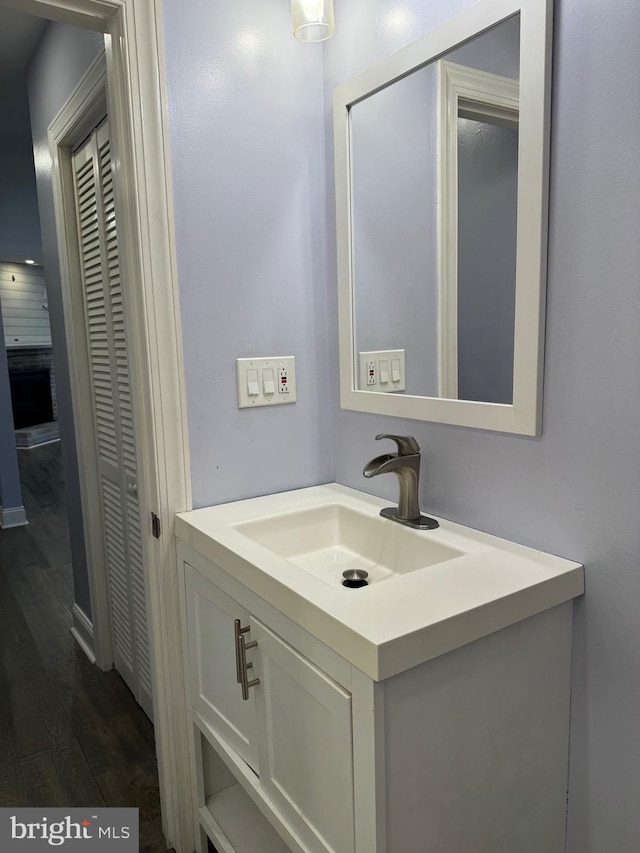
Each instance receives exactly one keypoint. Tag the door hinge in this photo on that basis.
(155, 525)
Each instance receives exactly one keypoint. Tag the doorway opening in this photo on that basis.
(56, 702)
(132, 30)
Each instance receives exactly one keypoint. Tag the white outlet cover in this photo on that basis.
(247, 401)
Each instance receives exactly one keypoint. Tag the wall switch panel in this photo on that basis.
(266, 381)
(382, 370)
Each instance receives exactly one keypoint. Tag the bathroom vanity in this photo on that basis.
(426, 711)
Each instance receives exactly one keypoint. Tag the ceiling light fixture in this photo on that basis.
(312, 19)
(29, 261)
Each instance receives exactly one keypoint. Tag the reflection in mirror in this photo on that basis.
(434, 179)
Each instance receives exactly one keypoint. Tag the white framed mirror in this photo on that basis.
(441, 158)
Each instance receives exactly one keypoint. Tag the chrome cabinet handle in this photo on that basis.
(245, 667)
(238, 634)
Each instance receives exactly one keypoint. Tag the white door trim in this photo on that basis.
(137, 115)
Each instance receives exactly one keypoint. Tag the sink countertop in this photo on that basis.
(387, 627)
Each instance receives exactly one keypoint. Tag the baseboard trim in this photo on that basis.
(13, 516)
(82, 631)
(34, 446)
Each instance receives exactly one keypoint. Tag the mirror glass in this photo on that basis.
(433, 203)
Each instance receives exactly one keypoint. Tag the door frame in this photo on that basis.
(484, 94)
(136, 107)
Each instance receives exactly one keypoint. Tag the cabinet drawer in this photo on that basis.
(305, 744)
(214, 691)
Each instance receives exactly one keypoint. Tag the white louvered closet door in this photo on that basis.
(112, 410)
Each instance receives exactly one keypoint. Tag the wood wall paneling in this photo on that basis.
(23, 295)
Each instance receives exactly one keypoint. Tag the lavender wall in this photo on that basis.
(487, 220)
(574, 491)
(63, 55)
(496, 51)
(247, 154)
(395, 245)
(19, 225)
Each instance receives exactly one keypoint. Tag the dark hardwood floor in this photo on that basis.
(70, 734)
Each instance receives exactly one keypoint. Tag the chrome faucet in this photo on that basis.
(406, 465)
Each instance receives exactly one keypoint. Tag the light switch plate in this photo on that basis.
(377, 366)
(283, 370)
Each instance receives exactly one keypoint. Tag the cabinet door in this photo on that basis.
(215, 692)
(305, 745)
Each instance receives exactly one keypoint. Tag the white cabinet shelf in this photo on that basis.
(235, 824)
(288, 743)
(218, 767)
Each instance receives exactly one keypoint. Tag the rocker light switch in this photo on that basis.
(252, 383)
(268, 384)
(261, 379)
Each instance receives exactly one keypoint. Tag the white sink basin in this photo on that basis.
(328, 539)
(431, 591)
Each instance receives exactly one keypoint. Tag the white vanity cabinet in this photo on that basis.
(213, 689)
(304, 744)
(464, 753)
(293, 733)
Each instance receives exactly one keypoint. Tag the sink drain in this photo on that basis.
(355, 578)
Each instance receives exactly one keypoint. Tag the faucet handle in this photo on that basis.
(407, 445)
